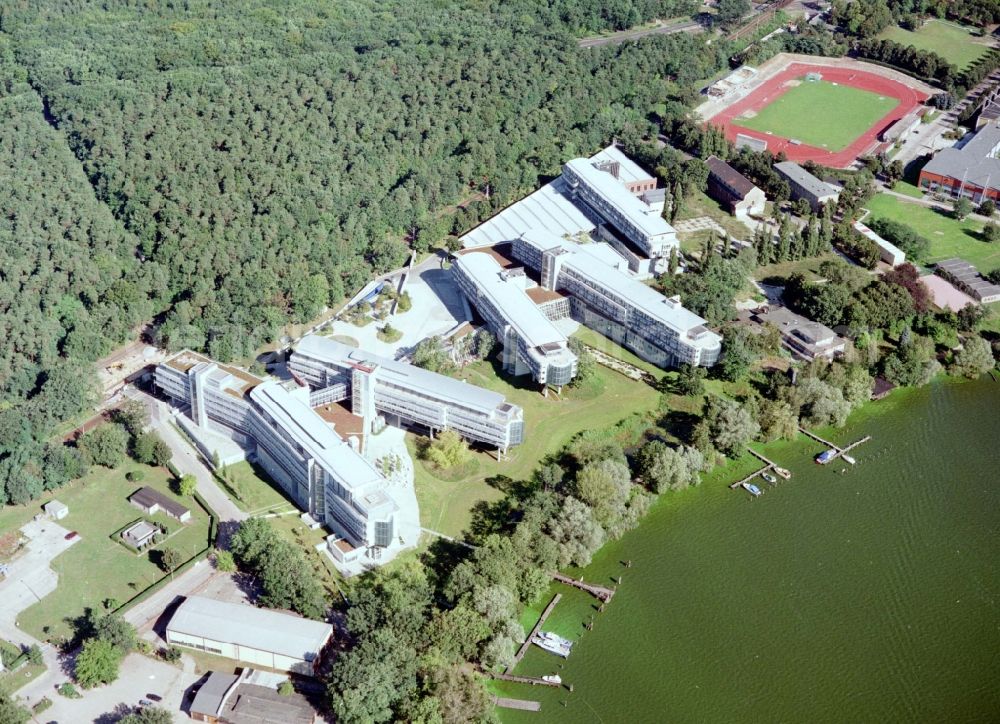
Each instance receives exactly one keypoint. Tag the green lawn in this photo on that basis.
(822, 114)
(948, 236)
(445, 505)
(599, 342)
(11, 681)
(252, 489)
(952, 42)
(97, 568)
(700, 204)
(809, 268)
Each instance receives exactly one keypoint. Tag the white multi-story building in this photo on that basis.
(321, 472)
(622, 308)
(635, 228)
(405, 394)
(531, 342)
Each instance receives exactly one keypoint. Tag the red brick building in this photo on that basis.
(972, 171)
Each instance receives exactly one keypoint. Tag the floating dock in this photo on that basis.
(522, 704)
(769, 466)
(602, 593)
(527, 642)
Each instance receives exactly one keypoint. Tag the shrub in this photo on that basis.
(171, 654)
(224, 561)
(134, 476)
(286, 688)
(447, 450)
(69, 691)
(170, 559)
(187, 485)
(389, 334)
(42, 705)
(405, 304)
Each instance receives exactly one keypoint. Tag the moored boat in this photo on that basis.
(848, 458)
(786, 474)
(769, 478)
(826, 456)
(752, 489)
(552, 678)
(553, 643)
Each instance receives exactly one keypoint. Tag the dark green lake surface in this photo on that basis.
(866, 596)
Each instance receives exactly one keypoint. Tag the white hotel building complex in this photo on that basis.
(531, 342)
(618, 305)
(605, 198)
(316, 468)
(280, 424)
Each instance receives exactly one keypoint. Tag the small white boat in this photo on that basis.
(552, 678)
(769, 478)
(786, 474)
(848, 458)
(752, 489)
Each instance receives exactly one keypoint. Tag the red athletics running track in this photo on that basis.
(773, 88)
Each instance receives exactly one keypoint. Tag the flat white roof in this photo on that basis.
(258, 628)
(614, 192)
(509, 296)
(309, 430)
(550, 207)
(547, 208)
(634, 292)
(892, 249)
(405, 375)
(628, 170)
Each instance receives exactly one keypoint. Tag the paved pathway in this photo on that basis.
(29, 577)
(188, 462)
(144, 614)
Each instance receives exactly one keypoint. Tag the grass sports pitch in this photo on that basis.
(948, 40)
(821, 114)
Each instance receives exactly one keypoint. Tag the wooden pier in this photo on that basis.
(602, 593)
(534, 681)
(527, 642)
(769, 465)
(839, 451)
(522, 704)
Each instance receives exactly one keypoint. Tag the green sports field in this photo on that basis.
(820, 113)
(952, 42)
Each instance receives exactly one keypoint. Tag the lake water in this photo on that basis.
(866, 596)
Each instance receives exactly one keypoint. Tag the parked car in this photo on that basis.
(71, 535)
(154, 697)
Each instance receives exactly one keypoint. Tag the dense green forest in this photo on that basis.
(225, 168)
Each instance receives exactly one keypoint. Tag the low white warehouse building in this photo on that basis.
(253, 635)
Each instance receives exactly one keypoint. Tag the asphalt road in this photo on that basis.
(685, 26)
